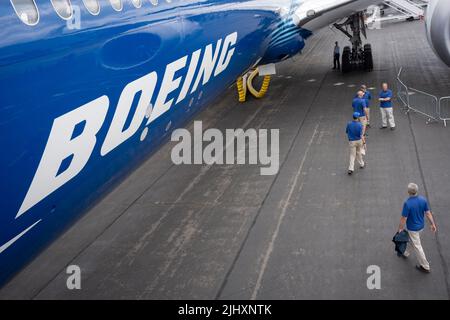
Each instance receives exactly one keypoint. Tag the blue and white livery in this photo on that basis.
(90, 88)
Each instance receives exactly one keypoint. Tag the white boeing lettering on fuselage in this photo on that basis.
(61, 144)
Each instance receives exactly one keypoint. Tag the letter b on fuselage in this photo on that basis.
(61, 145)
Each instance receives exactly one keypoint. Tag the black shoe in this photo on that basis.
(362, 167)
(368, 125)
(392, 128)
(422, 269)
(350, 172)
(383, 127)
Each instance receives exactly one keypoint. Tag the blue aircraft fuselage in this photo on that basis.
(82, 105)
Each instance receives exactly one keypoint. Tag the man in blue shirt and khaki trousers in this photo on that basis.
(414, 210)
(359, 105)
(355, 134)
(387, 113)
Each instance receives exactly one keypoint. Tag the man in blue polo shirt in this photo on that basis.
(359, 105)
(415, 209)
(387, 113)
(356, 142)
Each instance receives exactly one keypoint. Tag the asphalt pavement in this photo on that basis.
(309, 232)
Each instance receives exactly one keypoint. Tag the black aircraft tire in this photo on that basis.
(346, 66)
(370, 62)
(368, 58)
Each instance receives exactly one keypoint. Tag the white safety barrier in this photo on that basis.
(402, 91)
(424, 103)
(444, 109)
(428, 105)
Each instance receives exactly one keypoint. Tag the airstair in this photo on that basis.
(407, 7)
(404, 10)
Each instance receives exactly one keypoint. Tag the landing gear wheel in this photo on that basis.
(368, 58)
(358, 57)
(346, 65)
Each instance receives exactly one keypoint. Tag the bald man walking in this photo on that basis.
(415, 209)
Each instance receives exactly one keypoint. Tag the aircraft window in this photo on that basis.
(26, 10)
(137, 3)
(116, 4)
(92, 6)
(63, 8)
(154, 2)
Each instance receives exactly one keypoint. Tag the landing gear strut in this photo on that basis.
(358, 56)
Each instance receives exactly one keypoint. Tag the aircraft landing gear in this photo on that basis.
(357, 56)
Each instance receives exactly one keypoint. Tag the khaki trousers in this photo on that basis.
(387, 114)
(364, 122)
(355, 153)
(414, 242)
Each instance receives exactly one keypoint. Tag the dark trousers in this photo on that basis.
(336, 61)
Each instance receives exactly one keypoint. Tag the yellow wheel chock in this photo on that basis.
(246, 82)
(242, 89)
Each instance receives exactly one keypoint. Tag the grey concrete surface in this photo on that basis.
(310, 232)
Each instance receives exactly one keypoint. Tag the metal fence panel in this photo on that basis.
(402, 91)
(422, 102)
(444, 109)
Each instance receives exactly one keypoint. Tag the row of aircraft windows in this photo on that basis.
(28, 12)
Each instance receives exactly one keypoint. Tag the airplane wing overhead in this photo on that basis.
(313, 14)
